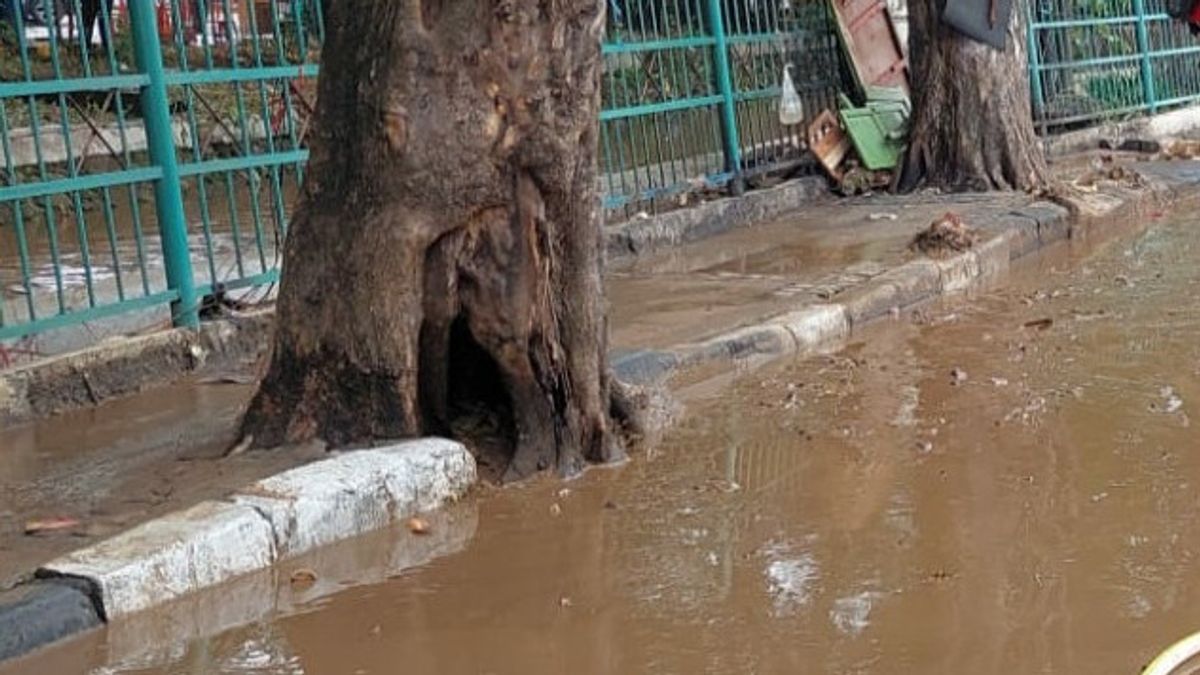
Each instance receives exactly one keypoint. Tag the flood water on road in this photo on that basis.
(1007, 484)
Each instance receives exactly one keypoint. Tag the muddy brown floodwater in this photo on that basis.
(1003, 484)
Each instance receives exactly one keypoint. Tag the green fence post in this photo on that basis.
(168, 198)
(729, 130)
(1143, 40)
(1035, 71)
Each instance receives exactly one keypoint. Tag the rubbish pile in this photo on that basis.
(861, 145)
(945, 236)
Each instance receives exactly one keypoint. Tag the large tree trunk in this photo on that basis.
(446, 255)
(972, 128)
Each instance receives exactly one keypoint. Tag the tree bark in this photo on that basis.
(972, 127)
(446, 253)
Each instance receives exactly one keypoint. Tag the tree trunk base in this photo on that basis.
(444, 271)
(972, 129)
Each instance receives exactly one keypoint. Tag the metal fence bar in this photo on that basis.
(1105, 60)
(729, 128)
(168, 197)
(1143, 41)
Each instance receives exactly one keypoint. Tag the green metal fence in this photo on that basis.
(149, 158)
(1098, 60)
(691, 89)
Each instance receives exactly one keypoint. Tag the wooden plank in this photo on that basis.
(870, 39)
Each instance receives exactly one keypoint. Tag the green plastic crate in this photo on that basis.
(878, 130)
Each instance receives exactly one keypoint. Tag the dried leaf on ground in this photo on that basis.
(304, 577)
(48, 525)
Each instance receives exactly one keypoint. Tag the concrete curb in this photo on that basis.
(151, 637)
(645, 235)
(123, 366)
(275, 519)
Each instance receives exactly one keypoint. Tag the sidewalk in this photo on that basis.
(816, 255)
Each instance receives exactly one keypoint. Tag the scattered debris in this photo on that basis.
(882, 216)
(829, 143)
(999, 382)
(241, 446)
(610, 505)
(1139, 145)
(860, 181)
(228, 378)
(303, 577)
(555, 510)
(1182, 149)
(564, 601)
(1040, 324)
(948, 234)
(50, 525)
(958, 376)
(1106, 171)
(942, 575)
(418, 525)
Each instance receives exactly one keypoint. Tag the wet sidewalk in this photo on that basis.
(816, 255)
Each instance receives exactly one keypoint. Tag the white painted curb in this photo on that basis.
(320, 503)
(279, 517)
(172, 555)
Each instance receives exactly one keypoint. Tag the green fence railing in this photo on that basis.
(152, 153)
(149, 158)
(691, 90)
(1100, 60)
